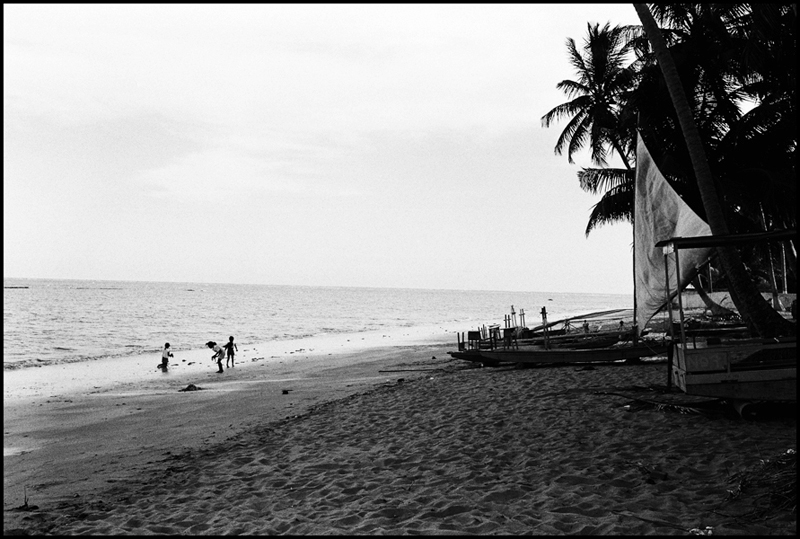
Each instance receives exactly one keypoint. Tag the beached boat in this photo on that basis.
(595, 339)
(569, 345)
(658, 213)
(720, 363)
(559, 342)
(540, 355)
(584, 341)
(713, 362)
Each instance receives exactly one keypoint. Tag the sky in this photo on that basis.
(390, 145)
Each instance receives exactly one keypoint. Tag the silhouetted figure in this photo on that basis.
(165, 355)
(229, 346)
(219, 354)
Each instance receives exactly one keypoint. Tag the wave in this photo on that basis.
(95, 288)
(39, 362)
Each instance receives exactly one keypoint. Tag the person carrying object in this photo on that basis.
(219, 354)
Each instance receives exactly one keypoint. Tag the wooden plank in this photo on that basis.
(770, 390)
(764, 375)
(768, 384)
(569, 355)
(728, 356)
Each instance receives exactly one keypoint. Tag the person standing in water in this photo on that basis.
(219, 354)
(165, 355)
(229, 346)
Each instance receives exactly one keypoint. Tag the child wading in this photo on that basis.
(165, 355)
(219, 354)
(229, 346)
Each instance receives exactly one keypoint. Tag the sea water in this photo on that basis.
(54, 322)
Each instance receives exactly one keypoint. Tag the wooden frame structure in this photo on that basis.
(739, 369)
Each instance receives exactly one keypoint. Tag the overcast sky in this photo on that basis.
(337, 145)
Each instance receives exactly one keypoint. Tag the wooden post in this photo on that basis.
(783, 267)
(545, 329)
(669, 365)
(667, 250)
(680, 298)
(710, 282)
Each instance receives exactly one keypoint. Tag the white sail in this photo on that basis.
(660, 214)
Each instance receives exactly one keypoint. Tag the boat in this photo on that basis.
(595, 340)
(721, 362)
(541, 355)
(568, 345)
(659, 213)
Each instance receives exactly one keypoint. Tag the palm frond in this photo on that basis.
(614, 207)
(596, 180)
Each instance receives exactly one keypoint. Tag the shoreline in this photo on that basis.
(36, 383)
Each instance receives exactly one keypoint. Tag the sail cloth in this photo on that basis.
(660, 214)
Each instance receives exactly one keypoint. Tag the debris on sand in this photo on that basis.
(771, 486)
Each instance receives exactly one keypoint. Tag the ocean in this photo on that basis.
(54, 321)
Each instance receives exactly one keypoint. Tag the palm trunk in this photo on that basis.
(715, 308)
(616, 145)
(783, 269)
(773, 282)
(753, 309)
(776, 301)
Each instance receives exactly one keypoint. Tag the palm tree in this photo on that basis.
(594, 109)
(758, 155)
(601, 114)
(751, 305)
(727, 53)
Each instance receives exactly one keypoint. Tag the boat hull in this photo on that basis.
(560, 355)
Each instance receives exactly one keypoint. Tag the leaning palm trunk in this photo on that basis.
(754, 310)
(715, 308)
(776, 302)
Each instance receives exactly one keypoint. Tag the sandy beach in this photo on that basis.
(393, 440)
